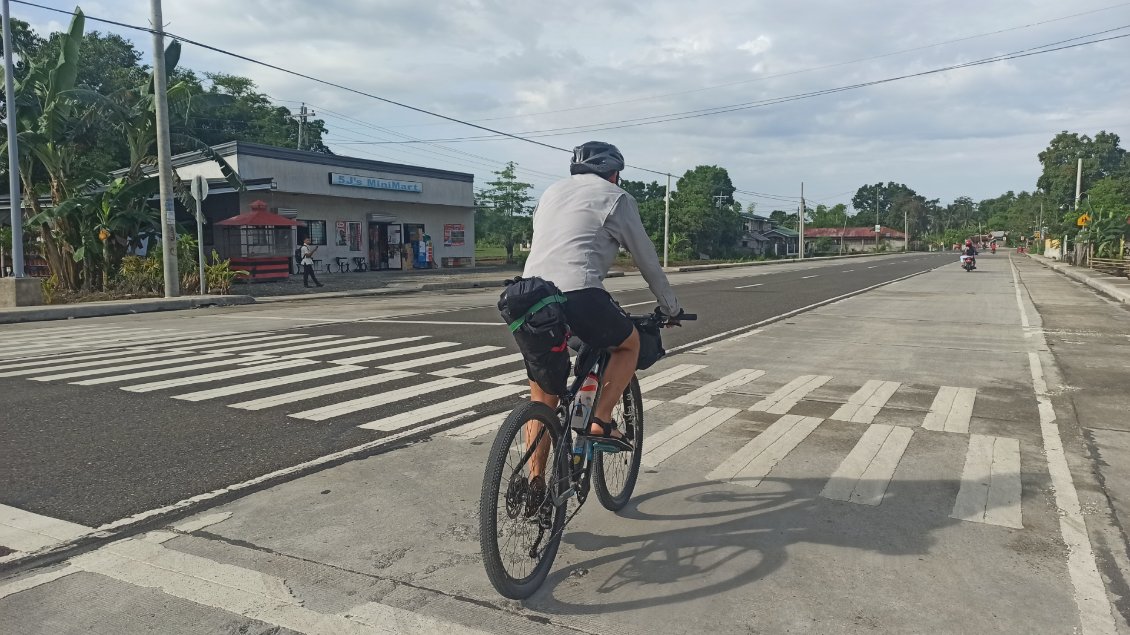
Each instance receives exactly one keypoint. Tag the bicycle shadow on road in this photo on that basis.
(731, 536)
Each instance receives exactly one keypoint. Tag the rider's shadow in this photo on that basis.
(725, 536)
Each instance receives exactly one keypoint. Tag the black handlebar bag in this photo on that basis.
(531, 308)
(651, 345)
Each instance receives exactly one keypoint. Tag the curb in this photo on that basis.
(758, 263)
(1111, 286)
(103, 309)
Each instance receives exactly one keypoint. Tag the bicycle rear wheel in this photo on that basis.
(519, 525)
(614, 473)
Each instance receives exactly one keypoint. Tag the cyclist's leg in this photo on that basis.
(538, 459)
(621, 367)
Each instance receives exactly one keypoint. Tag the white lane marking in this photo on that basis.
(727, 335)
(1019, 299)
(318, 391)
(847, 270)
(24, 531)
(1090, 592)
(508, 378)
(750, 286)
(478, 427)
(400, 352)
(990, 482)
(222, 361)
(224, 374)
(372, 401)
(272, 382)
(873, 266)
(749, 465)
(443, 357)
(702, 396)
(865, 404)
(305, 347)
(405, 419)
(684, 432)
(246, 592)
(951, 410)
(499, 323)
(87, 372)
(866, 471)
(664, 377)
(786, 397)
(812, 276)
(648, 404)
(135, 356)
(455, 371)
(628, 306)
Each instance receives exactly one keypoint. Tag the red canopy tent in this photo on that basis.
(259, 242)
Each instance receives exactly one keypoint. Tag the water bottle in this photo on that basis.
(583, 404)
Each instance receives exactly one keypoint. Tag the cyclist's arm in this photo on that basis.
(627, 228)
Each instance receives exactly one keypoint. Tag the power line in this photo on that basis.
(791, 73)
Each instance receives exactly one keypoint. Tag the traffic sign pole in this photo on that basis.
(200, 192)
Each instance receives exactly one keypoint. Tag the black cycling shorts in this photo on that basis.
(595, 318)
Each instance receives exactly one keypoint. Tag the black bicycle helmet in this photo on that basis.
(596, 157)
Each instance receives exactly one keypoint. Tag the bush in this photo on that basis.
(220, 275)
(140, 276)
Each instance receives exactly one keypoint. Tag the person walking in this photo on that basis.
(308, 264)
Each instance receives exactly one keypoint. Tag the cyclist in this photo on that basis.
(579, 224)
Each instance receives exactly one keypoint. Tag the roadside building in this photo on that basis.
(361, 214)
(857, 239)
(753, 237)
(783, 242)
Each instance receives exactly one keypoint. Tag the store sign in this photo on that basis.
(372, 183)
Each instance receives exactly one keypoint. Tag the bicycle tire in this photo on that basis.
(511, 586)
(624, 464)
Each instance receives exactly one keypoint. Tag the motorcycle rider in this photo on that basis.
(970, 251)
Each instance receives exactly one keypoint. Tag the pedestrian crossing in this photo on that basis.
(392, 384)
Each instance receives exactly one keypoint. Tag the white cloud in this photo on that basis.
(527, 67)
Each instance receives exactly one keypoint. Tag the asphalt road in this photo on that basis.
(94, 454)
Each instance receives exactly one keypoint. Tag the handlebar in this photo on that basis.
(659, 319)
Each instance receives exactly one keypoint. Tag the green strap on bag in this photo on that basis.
(541, 304)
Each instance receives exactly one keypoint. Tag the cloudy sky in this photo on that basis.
(529, 66)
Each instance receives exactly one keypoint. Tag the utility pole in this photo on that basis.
(303, 114)
(800, 223)
(164, 159)
(878, 225)
(1078, 182)
(905, 232)
(16, 201)
(666, 220)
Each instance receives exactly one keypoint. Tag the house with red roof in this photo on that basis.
(858, 239)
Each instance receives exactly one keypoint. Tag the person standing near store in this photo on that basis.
(308, 264)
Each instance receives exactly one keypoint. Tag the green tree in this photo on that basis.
(824, 216)
(781, 218)
(885, 196)
(1111, 194)
(651, 198)
(1102, 158)
(502, 211)
(704, 210)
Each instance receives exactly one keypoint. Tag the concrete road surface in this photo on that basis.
(942, 453)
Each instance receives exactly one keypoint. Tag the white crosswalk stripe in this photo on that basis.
(372, 401)
(685, 431)
(478, 427)
(455, 371)
(298, 339)
(291, 350)
(751, 464)
(273, 382)
(224, 374)
(436, 359)
(664, 377)
(863, 475)
(426, 413)
(702, 396)
(223, 361)
(786, 397)
(400, 352)
(951, 411)
(249, 338)
(178, 362)
(71, 357)
(318, 391)
(508, 378)
(144, 356)
(990, 483)
(359, 347)
(867, 401)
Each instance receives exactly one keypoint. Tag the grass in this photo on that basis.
(490, 253)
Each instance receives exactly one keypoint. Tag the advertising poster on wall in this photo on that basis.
(354, 236)
(340, 233)
(453, 235)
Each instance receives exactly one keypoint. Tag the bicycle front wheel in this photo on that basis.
(614, 474)
(519, 524)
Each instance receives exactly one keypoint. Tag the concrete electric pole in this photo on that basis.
(302, 116)
(666, 221)
(1078, 182)
(800, 224)
(16, 202)
(164, 159)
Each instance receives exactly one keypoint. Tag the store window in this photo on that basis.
(315, 230)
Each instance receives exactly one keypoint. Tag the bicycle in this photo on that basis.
(518, 529)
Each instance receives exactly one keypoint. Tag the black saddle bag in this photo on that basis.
(532, 309)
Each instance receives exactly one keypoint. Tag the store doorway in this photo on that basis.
(384, 246)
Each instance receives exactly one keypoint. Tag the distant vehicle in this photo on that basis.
(968, 263)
